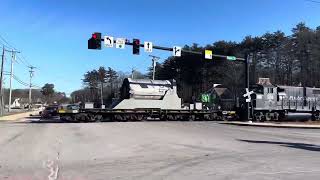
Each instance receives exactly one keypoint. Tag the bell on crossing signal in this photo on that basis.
(95, 41)
(136, 46)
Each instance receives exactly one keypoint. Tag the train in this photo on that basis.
(279, 102)
(144, 99)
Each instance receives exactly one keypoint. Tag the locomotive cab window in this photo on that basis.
(143, 85)
(270, 90)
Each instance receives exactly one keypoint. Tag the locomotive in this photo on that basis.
(275, 102)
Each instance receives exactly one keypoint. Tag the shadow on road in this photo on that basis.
(33, 117)
(309, 147)
(40, 120)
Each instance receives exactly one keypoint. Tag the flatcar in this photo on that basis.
(142, 99)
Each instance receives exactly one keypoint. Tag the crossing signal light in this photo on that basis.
(95, 41)
(136, 46)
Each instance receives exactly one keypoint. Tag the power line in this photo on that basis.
(313, 1)
(16, 78)
(24, 59)
(19, 80)
(21, 58)
(23, 62)
(6, 42)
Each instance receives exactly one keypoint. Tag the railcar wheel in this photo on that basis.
(98, 118)
(192, 117)
(140, 117)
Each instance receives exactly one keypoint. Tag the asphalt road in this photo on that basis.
(156, 150)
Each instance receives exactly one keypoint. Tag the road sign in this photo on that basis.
(120, 43)
(205, 98)
(108, 41)
(176, 51)
(208, 54)
(147, 46)
(231, 58)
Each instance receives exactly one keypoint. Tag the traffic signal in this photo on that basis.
(136, 46)
(95, 41)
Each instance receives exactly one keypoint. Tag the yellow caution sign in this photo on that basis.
(208, 54)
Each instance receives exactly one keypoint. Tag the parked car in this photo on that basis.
(49, 112)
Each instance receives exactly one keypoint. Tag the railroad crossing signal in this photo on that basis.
(248, 95)
(108, 41)
(148, 47)
(120, 43)
(95, 41)
(176, 51)
(208, 54)
(136, 46)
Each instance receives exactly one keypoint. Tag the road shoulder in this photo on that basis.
(273, 125)
(17, 116)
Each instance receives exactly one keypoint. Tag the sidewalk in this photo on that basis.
(274, 125)
(17, 116)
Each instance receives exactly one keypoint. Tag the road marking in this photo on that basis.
(54, 171)
(52, 165)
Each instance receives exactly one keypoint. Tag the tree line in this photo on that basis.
(47, 95)
(285, 59)
(105, 80)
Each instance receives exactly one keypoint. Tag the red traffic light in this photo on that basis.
(137, 41)
(95, 41)
(136, 46)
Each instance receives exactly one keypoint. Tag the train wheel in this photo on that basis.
(140, 117)
(192, 117)
(163, 117)
(98, 118)
(117, 117)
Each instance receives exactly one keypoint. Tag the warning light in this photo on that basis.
(136, 46)
(95, 41)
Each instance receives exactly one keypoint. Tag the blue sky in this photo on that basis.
(52, 34)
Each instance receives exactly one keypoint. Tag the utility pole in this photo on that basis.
(30, 85)
(13, 58)
(1, 82)
(132, 73)
(154, 61)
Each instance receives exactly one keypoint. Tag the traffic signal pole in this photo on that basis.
(247, 79)
(184, 51)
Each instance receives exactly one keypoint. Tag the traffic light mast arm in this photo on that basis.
(184, 51)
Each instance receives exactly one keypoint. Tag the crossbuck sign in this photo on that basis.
(248, 95)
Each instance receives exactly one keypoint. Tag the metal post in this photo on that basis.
(247, 83)
(132, 73)
(101, 91)
(1, 82)
(30, 86)
(13, 58)
(154, 68)
(154, 60)
(10, 84)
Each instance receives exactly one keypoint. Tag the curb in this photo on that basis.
(273, 125)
